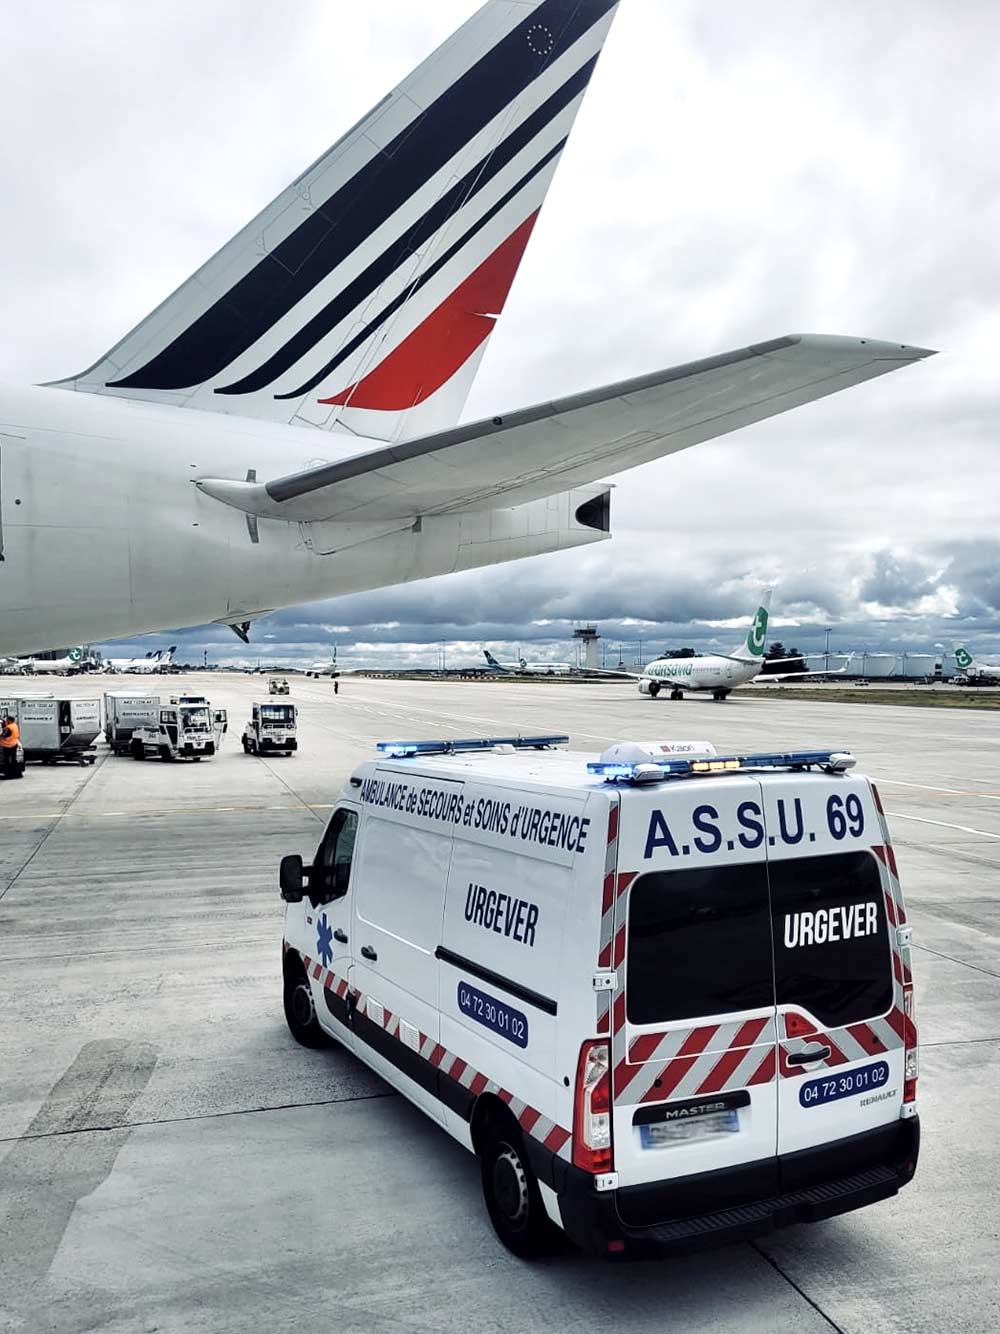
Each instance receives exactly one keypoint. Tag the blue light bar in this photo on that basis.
(650, 771)
(399, 750)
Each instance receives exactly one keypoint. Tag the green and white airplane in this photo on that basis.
(976, 669)
(719, 673)
(78, 659)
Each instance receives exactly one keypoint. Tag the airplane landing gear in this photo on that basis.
(719, 695)
(654, 689)
(677, 693)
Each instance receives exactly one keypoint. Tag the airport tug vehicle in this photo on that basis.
(186, 728)
(272, 730)
(664, 995)
(278, 685)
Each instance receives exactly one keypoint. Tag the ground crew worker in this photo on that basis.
(10, 738)
(336, 687)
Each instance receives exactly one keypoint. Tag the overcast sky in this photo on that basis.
(741, 169)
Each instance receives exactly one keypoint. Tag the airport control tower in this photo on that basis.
(588, 635)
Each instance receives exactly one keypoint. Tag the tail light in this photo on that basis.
(910, 1059)
(592, 1149)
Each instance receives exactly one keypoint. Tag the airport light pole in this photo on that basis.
(826, 664)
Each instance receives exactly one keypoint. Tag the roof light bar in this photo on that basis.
(399, 750)
(832, 761)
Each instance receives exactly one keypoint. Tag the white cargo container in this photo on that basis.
(123, 713)
(55, 729)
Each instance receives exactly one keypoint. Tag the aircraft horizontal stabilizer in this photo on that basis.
(553, 447)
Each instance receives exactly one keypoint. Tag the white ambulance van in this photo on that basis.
(665, 996)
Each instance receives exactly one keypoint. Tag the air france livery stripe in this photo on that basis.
(340, 224)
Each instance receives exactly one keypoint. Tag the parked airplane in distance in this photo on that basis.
(981, 671)
(152, 662)
(719, 673)
(284, 427)
(522, 666)
(319, 669)
(77, 660)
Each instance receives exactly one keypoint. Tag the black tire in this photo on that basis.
(300, 1011)
(513, 1200)
(246, 746)
(677, 694)
(165, 753)
(137, 750)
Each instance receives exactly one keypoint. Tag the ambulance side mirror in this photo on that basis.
(291, 878)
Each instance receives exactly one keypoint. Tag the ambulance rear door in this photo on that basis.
(693, 1020)
(838, 970)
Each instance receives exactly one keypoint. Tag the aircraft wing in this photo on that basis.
(557, 446)
(799, 676)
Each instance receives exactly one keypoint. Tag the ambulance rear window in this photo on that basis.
(831, 940)
(699, 944)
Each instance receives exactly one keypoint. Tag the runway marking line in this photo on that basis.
(927, 787)
(943, 824)
(166, 810)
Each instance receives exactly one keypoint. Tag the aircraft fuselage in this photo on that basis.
(711, 672)
(105, 535)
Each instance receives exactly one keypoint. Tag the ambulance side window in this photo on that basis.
(699, 944)
(332, 867)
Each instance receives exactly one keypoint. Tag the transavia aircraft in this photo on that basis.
(523, 667)
(283, 427)
(152, 662)
(976, 669)
(76, 660)
(718, 672)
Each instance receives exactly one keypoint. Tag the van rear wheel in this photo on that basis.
(300, 1010)
(513, 1199)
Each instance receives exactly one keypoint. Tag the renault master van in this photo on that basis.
(663, 995)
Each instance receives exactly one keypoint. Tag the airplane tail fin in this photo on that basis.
(963, 658)
(363, 297)
(752, 648)
(492, 662)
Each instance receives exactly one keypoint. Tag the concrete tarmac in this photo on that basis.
(171, 1160)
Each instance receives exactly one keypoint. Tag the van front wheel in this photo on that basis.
(300, 1012)
(513, 1200)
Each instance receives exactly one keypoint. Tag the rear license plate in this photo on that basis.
(664, 1133)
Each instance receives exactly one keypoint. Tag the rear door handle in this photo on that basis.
(340, 935)
(368, 953)
(809, 1056)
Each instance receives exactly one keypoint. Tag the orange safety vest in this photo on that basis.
(10, 737)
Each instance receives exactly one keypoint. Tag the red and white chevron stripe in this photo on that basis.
(532, 1121)
(677, 1064)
